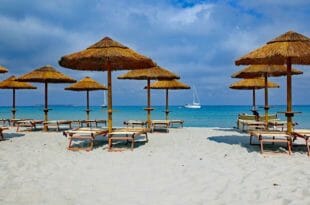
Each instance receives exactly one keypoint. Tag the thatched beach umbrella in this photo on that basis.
(46, 74)
(253, 84)
(154, 73)
(168, 85)
(3, 69)
(11, 83)
(106, 55)
(86, 84)
(264, 71)
(289, 48)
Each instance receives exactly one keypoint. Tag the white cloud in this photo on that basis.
(191, 15)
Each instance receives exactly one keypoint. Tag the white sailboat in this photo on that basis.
(196, 102)
(104, 105)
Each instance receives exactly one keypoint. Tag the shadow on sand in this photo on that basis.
(8, 136)
(229, 130)
(242, 140)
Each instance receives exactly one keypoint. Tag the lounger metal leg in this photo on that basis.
(308, 148)
(133, 142)
(70, 143)
(91, 145)
(289, 144)
(146, 137)
(127, 140)
(1, 136)
(261, 145)
(109, 143)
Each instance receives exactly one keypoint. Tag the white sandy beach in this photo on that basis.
(185, 166)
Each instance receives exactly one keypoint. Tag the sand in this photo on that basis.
(185, 166)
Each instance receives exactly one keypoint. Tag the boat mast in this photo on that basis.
(195, 95)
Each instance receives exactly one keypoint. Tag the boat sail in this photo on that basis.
(104, 105)
(196, 102)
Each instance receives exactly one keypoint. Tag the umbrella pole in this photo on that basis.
(167, 101)
(46, 108)
(148, 103)
(87, 106)
(13, 105)
(254, 100)
(109, 97)
(266, 100)
(289, 114)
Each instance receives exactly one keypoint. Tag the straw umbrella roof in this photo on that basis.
(253, 83)
(154, 73)
(169, 84)
(85, 84)
(11, 83)
(3, 69)
(289, 45)
(46, 74)
(104, 52)
(253, 71)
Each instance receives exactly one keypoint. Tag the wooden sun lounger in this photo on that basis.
(58, 123)
(12, 122)
(303, 134)
(176, 122)
(4, 121)
(1, 132)
(91, 123)
(88, 134)
(252, 125)
(128, 134)
(160, 124)
(32, 124)
(277, 124)
(135, 123)
(271, 136)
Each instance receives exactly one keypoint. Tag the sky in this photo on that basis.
(197, 39)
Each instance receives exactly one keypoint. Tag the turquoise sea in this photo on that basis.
(207, 116)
